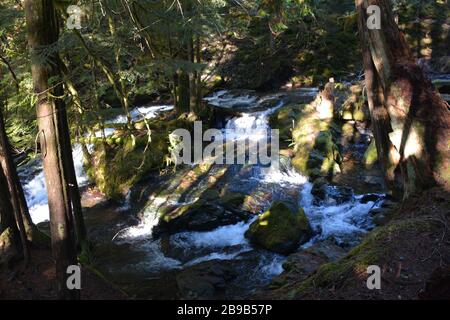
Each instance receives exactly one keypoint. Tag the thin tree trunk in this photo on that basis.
(411, 121)
(8, 167)
(198, 76)
(43, 32)
(10, 248)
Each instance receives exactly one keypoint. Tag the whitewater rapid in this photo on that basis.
(35, 190)
(328, 219)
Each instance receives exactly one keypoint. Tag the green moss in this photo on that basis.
(279, 229)
(316, 151)
(371, 155)
(376, 249)
(116, 167)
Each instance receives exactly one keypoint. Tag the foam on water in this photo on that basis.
(289, 177)
(217, 256)
(339, 221)
(225, 236)
(252, 126)
(272, 265)
(142, 112)
(35, 191)
(224, 99)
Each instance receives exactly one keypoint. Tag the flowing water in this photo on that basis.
(134, 255)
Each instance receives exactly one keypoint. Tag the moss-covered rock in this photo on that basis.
(116, 167)
(279, 229)
(283, 120)
(354, 106)
(371, 155)
(125, 157)
(316, 152)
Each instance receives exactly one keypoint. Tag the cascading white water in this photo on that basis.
(329, 219)
(35, 191)
(142, 112)
(225, 100)
(226, 242)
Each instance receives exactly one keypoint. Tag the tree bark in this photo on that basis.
(74, 191)
(10, 248)
(410, 120)
(43, 32)
(8, 167)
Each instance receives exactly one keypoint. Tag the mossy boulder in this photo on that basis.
(115, 167)
(371, 155)
(354, 106)
(320, 158)
(127, 156)
(283, 120)
(280, 229)
(316, 153)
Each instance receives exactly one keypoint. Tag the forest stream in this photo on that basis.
(219, 263)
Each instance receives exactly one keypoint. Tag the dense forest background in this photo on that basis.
(234, 44)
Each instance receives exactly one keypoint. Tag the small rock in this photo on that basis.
(204, 280)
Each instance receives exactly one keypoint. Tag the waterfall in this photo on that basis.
(35, 191)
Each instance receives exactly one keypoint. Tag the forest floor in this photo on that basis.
(37, 281)
(412, 250)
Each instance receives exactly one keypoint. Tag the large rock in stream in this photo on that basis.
(204, 215)
(280, 229)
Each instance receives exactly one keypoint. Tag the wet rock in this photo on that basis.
(298, 267)
(339, 194)
(381, 216)
(328, 249)
(380, 219)
(319, 189)
(302, 264)
(280, 229)
(200, 216)
(348, 240)
(389, 204)
(371, 197)
(205, 280)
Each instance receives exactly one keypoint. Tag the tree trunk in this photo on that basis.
(184, 94)
(8, 167)
(10, 249)
(43, 32)
(198, 74)
(77, 209)
(410, 120)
